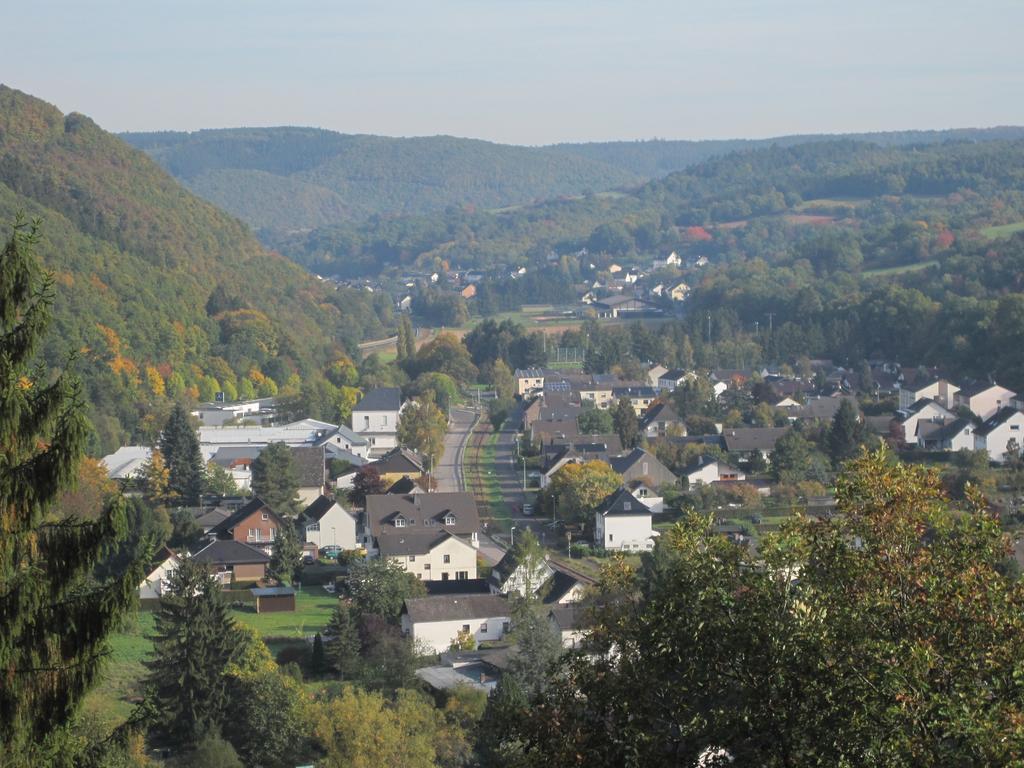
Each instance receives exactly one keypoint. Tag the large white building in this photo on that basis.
(375, 418)
(434, 623)
(325, 522)
(622, 522)
(1002, 435)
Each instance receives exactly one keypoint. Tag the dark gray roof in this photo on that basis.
(569, 616)
(381, 399)
(404, 486)
(561, 583)
(309, 467)
(660, 412)
(457, 587)
(227, 454)
(320, 507)
(399, 460)
(272, 591)
(675, 374)
(456, 607)
(622, 503)
(402, 542)
(422, 512)
(212, 517)
(529, 373)
(825, 408)
(230, 552)
(752, 438)
(634, 392)
(227, 524)
(999, 418)
(949, 430)
(977, 389)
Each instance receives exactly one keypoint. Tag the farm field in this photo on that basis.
(1003, 230)
(902, 269)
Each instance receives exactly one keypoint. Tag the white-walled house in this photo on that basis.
(1001, 434)
(528, 380)
(922, 410)
(568, 621)
(939, 390)
(376, 417)
(621, 522)
(984, 400)
(705, 470)
(511, 576)
(435, 622)
(430, 556)
(956, 435)
(325, 522)
(164, 563)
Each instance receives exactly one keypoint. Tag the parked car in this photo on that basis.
(330, 552)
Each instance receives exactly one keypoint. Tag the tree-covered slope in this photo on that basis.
(248, 171)
(159, 293)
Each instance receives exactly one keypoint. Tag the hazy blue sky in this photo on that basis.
(526, 71)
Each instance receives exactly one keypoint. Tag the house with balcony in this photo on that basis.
(253, 523)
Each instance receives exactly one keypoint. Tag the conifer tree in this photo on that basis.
(195, 639)
(180, 447)
(274, 479)
(409, 352)
(54, 617)
(845, 434)
(342, 645)
(627, 426)
(285, 554)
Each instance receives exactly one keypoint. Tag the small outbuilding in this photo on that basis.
(273, 599)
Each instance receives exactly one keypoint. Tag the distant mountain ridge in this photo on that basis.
(294, 179)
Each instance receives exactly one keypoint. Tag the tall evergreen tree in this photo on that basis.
(342, 644)
(274, 479)
(627, 426)
(284, 557)
(179, 445)
(406, 339)
(54, 618)
(194, 641)
(845, 435)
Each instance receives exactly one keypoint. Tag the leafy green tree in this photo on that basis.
(694, 397)
(499, 739)
(380, 586)
(845, 435)
(422, 428)
(502, 380)
(577, 489)
(497, 413)
(595, 421)
(444, 354)
(285, 554)
(538, 645)
(341, 649)
(194, 641)
(212, 751)
(792, 458)
(441, 385)
(218, 481)
(274, 479)
(883, 635)
(185, 531)
(388, 656)
(55, 618)
(179, 445)
(627, 426)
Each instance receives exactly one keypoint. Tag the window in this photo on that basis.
(426, 566)
(461, 575)
(384, 420)
(313, 527)
(449, 520)
(366, 422)
(412, 558)
(254, 532)
(646, 470)
(483, 627)
(447, 559)
(465, 627)
(272, 532)
(265, 516)
(399, 522)
(627, 505)
(611, 537)
(444, 576)
(506, 627)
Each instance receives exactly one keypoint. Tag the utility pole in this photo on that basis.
(757, 329)
(771, 317)
(709, 327)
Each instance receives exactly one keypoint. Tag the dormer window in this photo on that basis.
(449, 520)
(399, 522)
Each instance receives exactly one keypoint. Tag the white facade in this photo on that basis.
(152, 586)
(940, 391)
(336, 526)
(986, 403)
(437, 636)
(632, 533)
(997, 440)
(127, 461)
(380, 428)
(450, 560)
(932, 411)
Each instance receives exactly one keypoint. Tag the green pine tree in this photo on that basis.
(845, 435)
(274, 479)
(285, 554)
(410, 338)
(627, 426)
(195, 639)
(342, 646)
(54, 617)
(179, 445)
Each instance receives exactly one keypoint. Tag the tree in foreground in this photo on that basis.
(380, 586)
(194, 641)
(423, 427)
(885, 636)
(341, 644)
(54, 619)
(285, 554)
(179, 445)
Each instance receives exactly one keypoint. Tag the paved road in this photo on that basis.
(448, 472)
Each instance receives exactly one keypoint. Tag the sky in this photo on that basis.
(526, 71)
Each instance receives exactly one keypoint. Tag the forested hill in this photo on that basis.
(741, 205)
(659, 157)
(299, 178)
(159, 293)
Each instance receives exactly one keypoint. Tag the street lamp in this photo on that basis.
(334, 537)
(512, 534)
(524, 471)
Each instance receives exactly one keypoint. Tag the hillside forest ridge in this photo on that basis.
(347, 450)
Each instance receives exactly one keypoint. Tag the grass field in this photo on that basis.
(112, 699)
(1003, 230)
(900, 269)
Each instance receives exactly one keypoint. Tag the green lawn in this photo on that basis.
(1003, 230)
(313, 608)
(900, 269)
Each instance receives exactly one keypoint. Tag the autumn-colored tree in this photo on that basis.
(92, 492)
(423, 427)
(577, 489)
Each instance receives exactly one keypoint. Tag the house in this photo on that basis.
(376, 416)
(744, 441)
(569, 622)
(432, 535)
(641, 465)
(342, 439)
(273, 599)
(310, 472)
(565, 587)
(622, 523)
(661, 418)
(468, 292)
(212, 518)
(434, 623)
(512, 576)
(823, 408)
(955, 435)
(163, 564)
(217, 414)
(598, 390)
(706, 470)
(528, 381)
(647, 496)
(325, 522)
(296, 433)
(404, 486)
(939, 390)
(923, 410)
(619, 306)
(679, 292)
(127, 462)
(398, 463)
(672, 260)
(237, 460)
(669, 380)
(639, 397)
(1002, 435)
(254, 523)
(655, 373)
(233, 561)
(984, 400)
(404, 304)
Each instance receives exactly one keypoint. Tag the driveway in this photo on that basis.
(448, 472)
